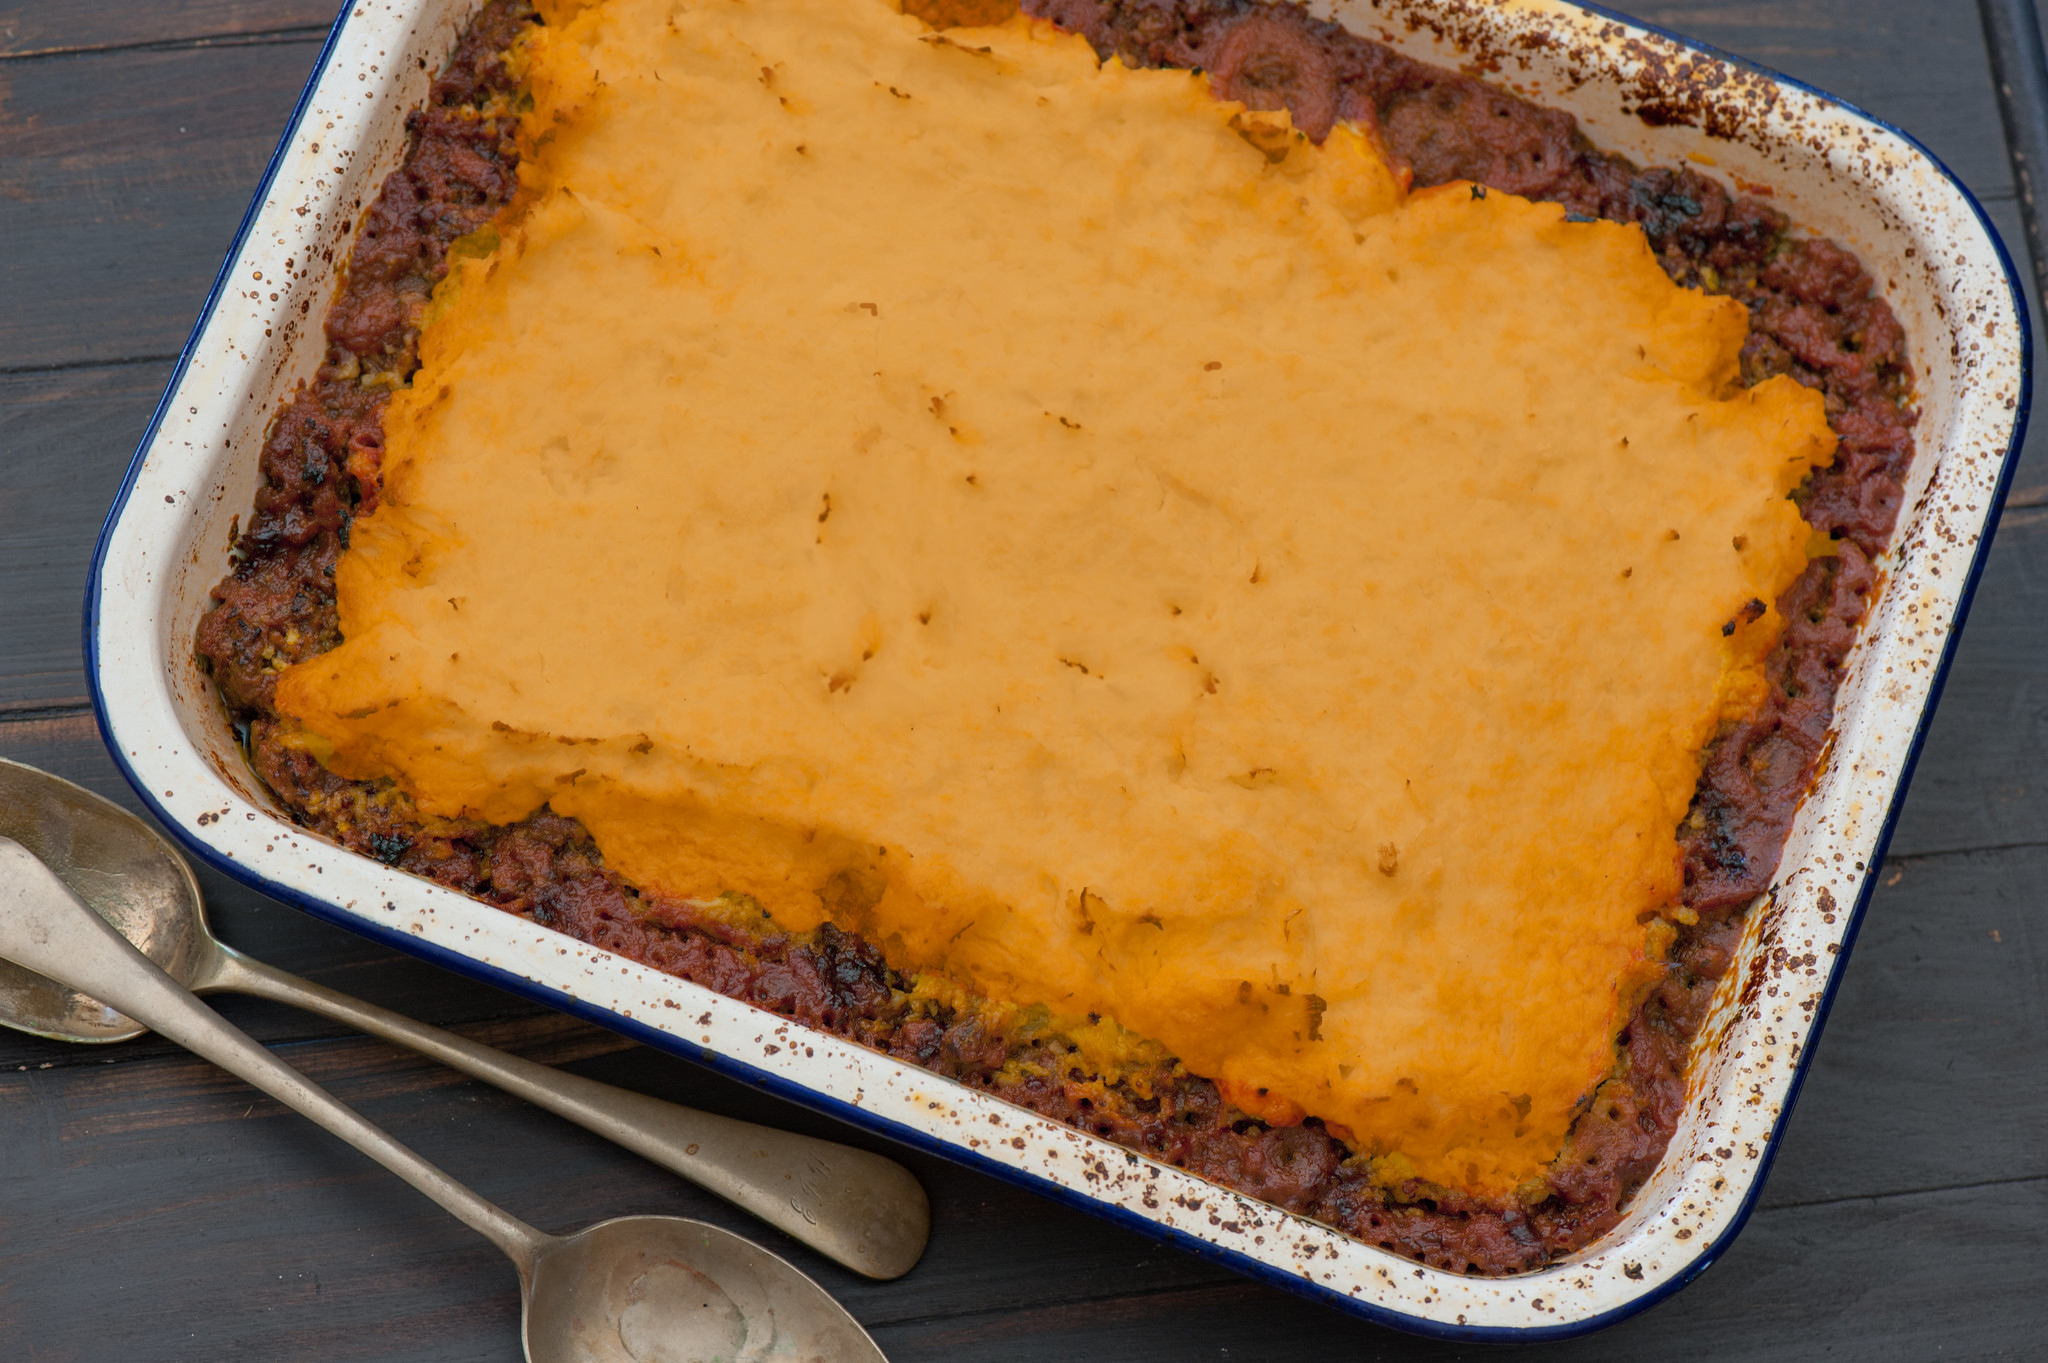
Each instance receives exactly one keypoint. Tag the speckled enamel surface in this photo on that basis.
(1833, 170)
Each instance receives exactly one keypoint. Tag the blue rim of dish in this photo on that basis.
(939, 1146)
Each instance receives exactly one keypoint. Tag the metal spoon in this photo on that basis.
(639, 1289)
(865, 1211)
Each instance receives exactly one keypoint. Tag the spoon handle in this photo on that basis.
(46, 928)
(867, 1212)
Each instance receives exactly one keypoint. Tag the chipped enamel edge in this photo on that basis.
(1834, 170)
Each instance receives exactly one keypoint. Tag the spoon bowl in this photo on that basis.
(125, 871)
(658, 1289)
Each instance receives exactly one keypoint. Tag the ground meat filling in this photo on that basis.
(1814, 315)
(323, 460)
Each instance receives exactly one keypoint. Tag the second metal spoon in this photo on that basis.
(636, 1289)
(863, 1210)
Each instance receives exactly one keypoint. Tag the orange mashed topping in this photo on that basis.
(1090, 542)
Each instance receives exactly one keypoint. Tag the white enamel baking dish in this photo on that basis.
(1651, 96)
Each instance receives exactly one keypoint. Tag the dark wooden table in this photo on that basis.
(153, 1209)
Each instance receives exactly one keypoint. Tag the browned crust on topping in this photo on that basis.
(1815, 315)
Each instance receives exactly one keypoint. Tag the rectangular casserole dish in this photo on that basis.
(1653, 98)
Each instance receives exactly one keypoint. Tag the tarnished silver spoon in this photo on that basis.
(865, 1211)
(639, 1289)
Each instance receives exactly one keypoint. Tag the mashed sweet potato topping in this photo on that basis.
(1087, 540)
